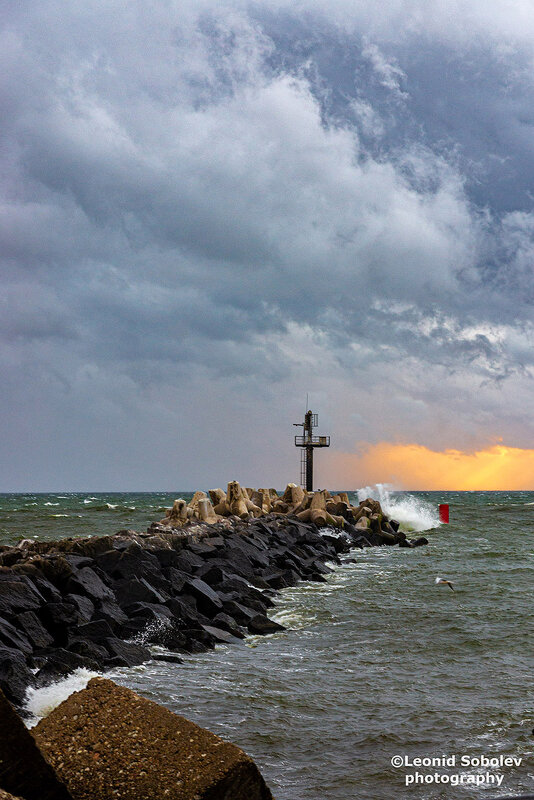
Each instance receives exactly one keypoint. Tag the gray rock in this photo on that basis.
(29, 623)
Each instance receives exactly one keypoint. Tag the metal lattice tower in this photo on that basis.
(308, 442)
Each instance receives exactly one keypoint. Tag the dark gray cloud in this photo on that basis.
(209, 209)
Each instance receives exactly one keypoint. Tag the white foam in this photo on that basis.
(41, 702)
(157, 629)
(110, 505)
(51, 504)
(413, 513)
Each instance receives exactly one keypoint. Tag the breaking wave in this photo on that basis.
(41, 702)
(413, 513)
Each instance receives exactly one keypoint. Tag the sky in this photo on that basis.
(211, 209)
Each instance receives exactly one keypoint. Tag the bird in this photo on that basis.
(445, 581)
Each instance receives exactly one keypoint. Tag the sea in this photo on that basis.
(384, 684)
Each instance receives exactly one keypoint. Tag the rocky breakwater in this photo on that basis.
(206, 574)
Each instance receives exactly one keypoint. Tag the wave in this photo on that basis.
(39, 703)
(51, 504)
(116, 507)
(413, 513)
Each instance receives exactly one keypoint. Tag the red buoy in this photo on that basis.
(444, 512)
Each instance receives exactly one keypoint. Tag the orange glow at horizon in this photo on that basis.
(413, 466)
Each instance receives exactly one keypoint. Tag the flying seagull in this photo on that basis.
(445, 581)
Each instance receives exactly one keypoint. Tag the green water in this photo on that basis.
(377, 662)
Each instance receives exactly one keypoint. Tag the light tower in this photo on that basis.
(308, 442)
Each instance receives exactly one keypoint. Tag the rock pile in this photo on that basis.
(321, 508)
(100, 602)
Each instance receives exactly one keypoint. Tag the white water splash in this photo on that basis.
(413, 513)
(41, 702)
(154, 633)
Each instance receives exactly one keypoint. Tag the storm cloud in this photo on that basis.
(211, 209)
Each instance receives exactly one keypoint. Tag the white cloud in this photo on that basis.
(182, 212)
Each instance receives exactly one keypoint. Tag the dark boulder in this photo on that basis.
(84, 606)
(239, 612)
(137, 590)
(239, 562)
(96, 631)
(29, 623)
(208, 601)
(77, 562)
(188, 562)
(202, 550)
(418, 542)
(152, 621)
(280, 579)
(46, 589)
(15, 676)
(166, 557)
(260, 624)
(316, 577)
(111, 612)
(132, 562)
(170, 658)
(62, 662)
(13, 638)
(17, 596)
(86, 582)
(182, 612)
(88, 650)
(247, 592)
(213, 574)
(220, 636)
(126, 654)
(337, 544)
(226, 622)
(55, 570)
(93, 546)
(176, 578)
(58, 618)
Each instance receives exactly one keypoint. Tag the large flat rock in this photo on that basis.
(107, 742)
(23, 770)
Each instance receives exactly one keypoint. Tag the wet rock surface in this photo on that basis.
(102, 602)
(107, 742)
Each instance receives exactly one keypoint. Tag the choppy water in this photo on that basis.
(380, 661)
(54, 516)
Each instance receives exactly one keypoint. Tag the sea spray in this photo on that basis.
(155, 632)
(413, 513)
(41, 702)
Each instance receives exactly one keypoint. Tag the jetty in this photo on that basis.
(208, 573)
